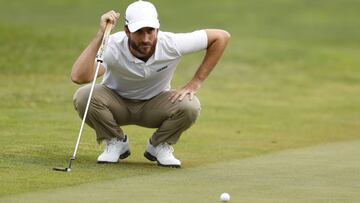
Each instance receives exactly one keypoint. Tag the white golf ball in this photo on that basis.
(68, 169)
(225, 197)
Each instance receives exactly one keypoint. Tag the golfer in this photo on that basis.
(138, 66)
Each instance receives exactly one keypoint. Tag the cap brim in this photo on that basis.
(133, 27)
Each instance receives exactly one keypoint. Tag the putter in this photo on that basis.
(99, 60)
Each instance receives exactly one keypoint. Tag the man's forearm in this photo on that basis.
(218, 40)
(83, 69)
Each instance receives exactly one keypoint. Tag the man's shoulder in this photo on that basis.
(183, 43)
(166, 36)
(118, 36)
(184, 37)
(167, 44)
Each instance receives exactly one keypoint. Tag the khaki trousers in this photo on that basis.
(108, 111)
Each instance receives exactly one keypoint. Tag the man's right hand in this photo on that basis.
(111, 17)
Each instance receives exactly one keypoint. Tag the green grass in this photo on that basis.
(289, 79)
(325, 173)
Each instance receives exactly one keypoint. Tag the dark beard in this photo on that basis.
(140, 54)
(137, 47)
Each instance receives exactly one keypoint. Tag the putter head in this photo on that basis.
(62, 169)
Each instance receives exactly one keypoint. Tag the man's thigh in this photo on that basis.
(103, 98)
(160, 108)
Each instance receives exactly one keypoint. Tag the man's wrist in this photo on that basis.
(99, 34)
(197, 80)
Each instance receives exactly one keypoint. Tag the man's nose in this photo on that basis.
(146, 37)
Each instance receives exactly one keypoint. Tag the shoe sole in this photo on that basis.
(125, 154)
(149, 156)
(153, 158)
(122, 156)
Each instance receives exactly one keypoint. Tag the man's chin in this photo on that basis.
(145, 51)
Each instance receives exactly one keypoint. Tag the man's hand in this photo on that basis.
(191, 88)
(111, 17)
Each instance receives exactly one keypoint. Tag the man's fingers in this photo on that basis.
(175, 97)
(112, 17)
(180, 95)
(109, 17)
(172, 95)
(115, 16)
(191, 95)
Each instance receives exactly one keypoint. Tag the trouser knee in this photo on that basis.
(190, 110)
(181, 118)
(80, 99)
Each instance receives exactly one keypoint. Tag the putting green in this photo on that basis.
(324, 173)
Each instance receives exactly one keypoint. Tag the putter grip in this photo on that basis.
(100, 53)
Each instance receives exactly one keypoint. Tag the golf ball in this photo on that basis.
(69, 169)
(225, 197)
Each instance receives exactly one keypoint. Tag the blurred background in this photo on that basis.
(288, 79)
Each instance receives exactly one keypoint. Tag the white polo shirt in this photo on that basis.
(132, 78)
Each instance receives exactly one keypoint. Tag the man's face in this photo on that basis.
(143, 41)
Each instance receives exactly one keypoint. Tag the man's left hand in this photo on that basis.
(189, 89)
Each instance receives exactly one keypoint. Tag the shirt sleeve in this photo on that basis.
(187, 43)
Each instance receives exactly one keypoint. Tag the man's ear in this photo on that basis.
(127, 31)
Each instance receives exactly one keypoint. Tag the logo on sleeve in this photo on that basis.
(161, 69)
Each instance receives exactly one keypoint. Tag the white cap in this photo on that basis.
(141, 14)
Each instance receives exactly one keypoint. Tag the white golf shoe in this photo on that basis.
(115, 149)
(163, 154)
